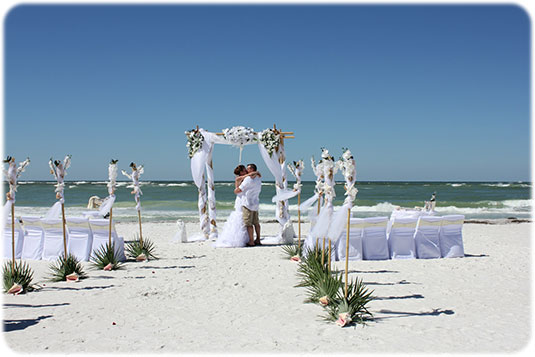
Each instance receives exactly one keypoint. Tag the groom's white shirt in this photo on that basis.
(251, 188)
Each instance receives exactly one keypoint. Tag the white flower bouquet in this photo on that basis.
(270, 139)
(239, 135)
(194, 143)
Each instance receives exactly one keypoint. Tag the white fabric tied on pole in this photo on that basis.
(206, 201)
(276, 164)
(135, 184)
(338, 222)
(309, 202)
(212, 213)
(54, 212)
(284, 195)
(59, 171)
(106, 206)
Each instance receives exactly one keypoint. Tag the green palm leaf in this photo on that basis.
(21, 274)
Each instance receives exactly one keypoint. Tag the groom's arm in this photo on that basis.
(244, 185)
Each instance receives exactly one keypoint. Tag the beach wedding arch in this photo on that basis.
(200, 144)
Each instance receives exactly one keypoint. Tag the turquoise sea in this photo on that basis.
(172, 200)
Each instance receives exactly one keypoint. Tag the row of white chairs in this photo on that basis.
(40, 239)
(426, 237)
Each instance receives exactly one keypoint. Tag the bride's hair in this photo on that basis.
(238, 170)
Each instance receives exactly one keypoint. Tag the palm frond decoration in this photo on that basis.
(140, 250)
(292, 251)
(311, 269)
(105, 258)
(353, 308)
(17, 277)
(325, 289)
(68, 268)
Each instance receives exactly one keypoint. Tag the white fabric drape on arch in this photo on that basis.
(276, 164)
(201, 171)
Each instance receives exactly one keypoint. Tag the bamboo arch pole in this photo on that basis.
(109, 236)
(299, 221)
(347, 248)
(64, 235)
(140, 230)
(13, 236)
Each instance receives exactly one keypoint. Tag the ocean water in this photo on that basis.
(169, 201)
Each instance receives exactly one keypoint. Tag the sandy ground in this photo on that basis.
(199, 299)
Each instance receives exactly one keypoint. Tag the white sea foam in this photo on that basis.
(183, 184)
(80, 182)
(497, 184)
(456, 184)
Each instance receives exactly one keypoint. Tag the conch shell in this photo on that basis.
(295, 258)
(15, 289)
(343, 319)
(108, 267)
(72, 277)
(141, 258)
(324, 300)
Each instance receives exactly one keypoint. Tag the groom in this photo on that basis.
(251, 188)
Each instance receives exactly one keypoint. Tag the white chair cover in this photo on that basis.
(451, 236)
(427, 237)
(34, 237)
(374, 242)
(356, 226)
(53, 242)
(401, 238)
(100, 228)
(80, 237)
(19, 239)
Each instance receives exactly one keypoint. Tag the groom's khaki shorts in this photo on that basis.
(250, 218)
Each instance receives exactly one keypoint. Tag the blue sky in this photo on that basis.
(416, 92)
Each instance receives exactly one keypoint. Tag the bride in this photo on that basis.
(234, 233)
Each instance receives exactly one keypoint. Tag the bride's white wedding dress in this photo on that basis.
(234, 234)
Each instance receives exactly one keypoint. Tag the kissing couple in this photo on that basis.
(243, 223)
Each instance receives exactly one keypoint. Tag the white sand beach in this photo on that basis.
(199, 299)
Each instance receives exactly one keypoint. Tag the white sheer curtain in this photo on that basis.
(276, 164)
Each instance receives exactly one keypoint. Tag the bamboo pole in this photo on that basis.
(140, 232)
(109, 237)
(299, 221)
(347, 247)
(319, 202)
(13, 235)
(64, 235)
(317, 243)
(329, 254)
(323, 252)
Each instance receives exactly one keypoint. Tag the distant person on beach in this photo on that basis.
(251, 187)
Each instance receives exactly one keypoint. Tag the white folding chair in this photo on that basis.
(401, 238)
(451, 236)
(34, 237)
(427, 237)
(374, 242)
(356, 226)
(80, 237)
(53, 242)
(100, 228)
(8, 236)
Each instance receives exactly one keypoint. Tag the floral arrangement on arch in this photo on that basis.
(194, 143)
(239, 135)
(270, 139)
